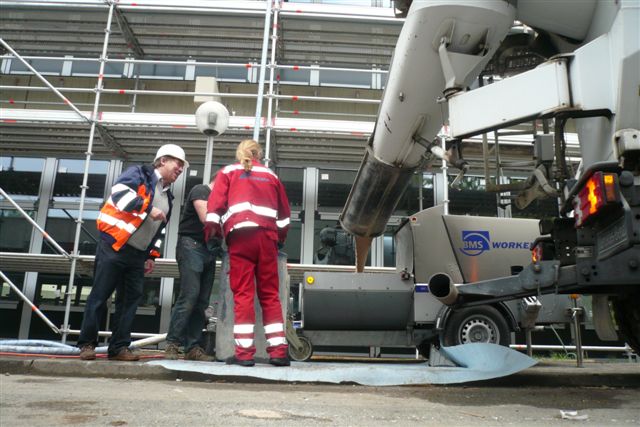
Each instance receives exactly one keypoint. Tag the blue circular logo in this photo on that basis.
(475, 242)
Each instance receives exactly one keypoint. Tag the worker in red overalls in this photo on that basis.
(250, 209)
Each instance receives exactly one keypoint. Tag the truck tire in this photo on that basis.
(476, 324)
(627, 314)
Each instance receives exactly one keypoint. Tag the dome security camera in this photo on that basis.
(212, 118)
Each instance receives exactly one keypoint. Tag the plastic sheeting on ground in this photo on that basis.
(43, 347)
(475, 362)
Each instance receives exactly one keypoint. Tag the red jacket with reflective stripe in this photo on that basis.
(127, 207)
(242, 199)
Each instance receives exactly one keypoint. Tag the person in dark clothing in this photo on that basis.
(197, 264)
(131, 224)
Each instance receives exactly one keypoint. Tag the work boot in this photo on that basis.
(171, 352)
(235, 361)
(125, 355)
(88, 352)
(280, 361)
(198, 354)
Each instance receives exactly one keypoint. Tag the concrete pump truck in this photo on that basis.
(590, 76)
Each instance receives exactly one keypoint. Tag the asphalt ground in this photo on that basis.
(32, 401)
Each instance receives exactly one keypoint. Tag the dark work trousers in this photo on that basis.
(253, 266)
(123, 272)
(197, 265)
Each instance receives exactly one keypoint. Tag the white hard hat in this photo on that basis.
(172, 150)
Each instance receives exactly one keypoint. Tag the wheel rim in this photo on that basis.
(479, 329)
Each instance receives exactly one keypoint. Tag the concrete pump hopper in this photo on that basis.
(397, 309)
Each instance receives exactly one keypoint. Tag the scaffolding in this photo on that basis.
(98, 121)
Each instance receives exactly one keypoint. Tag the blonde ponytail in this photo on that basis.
(247, 151)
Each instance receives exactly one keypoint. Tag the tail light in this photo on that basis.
(536, 253)
(599, 193)
(542, 249)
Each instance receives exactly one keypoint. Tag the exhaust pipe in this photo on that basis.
(441, 287)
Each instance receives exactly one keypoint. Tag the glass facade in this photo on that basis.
(333, 185)
(10, 305)
(194, 176)
(15, 231)
(389, 251)
(292, 179)
(61, 226)
(293, 243)
(69, 177)
(51, 299)
(410, 200)
(333, 189)
(20, 177)
(471, 198)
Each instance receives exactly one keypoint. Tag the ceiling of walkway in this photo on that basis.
(332, 35)
(65, 140)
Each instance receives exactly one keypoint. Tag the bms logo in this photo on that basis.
(475, 242)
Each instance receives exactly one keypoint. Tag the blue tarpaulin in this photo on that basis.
(475, 362)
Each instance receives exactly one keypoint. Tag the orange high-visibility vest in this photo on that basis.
(121, 224)
(130, 202)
